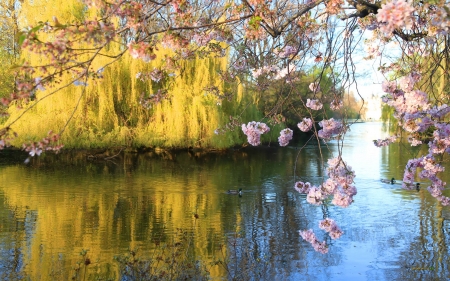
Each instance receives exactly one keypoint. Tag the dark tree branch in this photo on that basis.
(363, 9)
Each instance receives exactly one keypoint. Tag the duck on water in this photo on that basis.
(235, 192)
(392, 181)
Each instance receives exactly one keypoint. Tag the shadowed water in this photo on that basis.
(56, 207)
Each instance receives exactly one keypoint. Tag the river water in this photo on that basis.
(56, 207)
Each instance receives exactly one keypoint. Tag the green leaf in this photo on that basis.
(36, 28)
(22, 37)
(254, 22)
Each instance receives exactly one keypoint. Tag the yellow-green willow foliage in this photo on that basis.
(108, 111)
(34, 11)
(191, 115)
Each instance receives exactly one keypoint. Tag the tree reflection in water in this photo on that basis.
(60, 205)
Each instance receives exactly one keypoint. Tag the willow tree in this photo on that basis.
(132, 103)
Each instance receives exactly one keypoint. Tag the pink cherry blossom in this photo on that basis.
(329, 186)
(266, 70)
(287, 51)
(340, 171)
(302, 187)
(315, 196)
(341, 200)
(320, 247)
(414, 141)
(309, 236)
(48, 143)
(314, 87)
(314, 104)
(388, 87)
(395, 14)
(415, 101)
(156, 74)
(254, 130)
(305, 125)
(141, 50)
(330, 128)
(334, 6)
(330, 226)
(202, 39)
(385, 142)
(336, 104)
(406, 83)
(285, 137)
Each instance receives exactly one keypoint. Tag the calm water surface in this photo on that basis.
(56, 207)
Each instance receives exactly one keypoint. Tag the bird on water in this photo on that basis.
(391, 181)
(235, 192)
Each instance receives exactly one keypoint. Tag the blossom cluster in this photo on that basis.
(202, 39)
(385, 142)
(417, 117)
(339, 185)
(309, 236)
(439, 21)
(330, 226)
(264, 70)
(287, 52)
(395, 14)
(430, 169)
(131, 12)
(285, 136)
(273, 71)
(314, 104)
(336, 104)
(141, 50)
(174, 42)
(156, 75)
(412, 107)
(330, 128)
(253, 130)
(305, 125)
(49, 143)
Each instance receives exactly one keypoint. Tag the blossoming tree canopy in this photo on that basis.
(264, 41)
